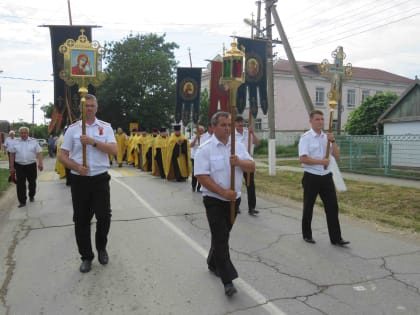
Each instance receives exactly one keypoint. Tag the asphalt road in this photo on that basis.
(158, 243)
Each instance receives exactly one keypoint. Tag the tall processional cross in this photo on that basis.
(337, 71)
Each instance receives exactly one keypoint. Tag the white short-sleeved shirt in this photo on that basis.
(213, 159)
(8, 143)
(243, 138)
(195, 146)
(97, 161)
(25, 150)
(314, 146)
(205, 136)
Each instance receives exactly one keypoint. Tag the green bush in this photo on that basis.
(281, 151)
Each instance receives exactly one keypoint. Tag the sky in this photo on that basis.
(380, 34)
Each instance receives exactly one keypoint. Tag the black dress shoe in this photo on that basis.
(21, 205)
(341, 242)
(85, 266)
(309, 240)
(253, 212)
(31, 199)
(103, 257)
(230, 289)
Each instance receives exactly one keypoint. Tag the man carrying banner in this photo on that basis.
(213, 169)
(317, 178)
(90, 188)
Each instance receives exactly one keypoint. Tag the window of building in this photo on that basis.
(365, 94)
(258, 124)
(320, 96)
(351, 98)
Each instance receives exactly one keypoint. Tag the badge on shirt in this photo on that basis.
(101, 131)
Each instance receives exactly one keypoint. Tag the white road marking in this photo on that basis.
(242, 284)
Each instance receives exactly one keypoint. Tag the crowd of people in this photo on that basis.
(206, 156)
(169, 156)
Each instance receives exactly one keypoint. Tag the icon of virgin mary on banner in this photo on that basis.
(66, 98)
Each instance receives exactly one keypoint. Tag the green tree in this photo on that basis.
(48, 110)
(204, 108)
(37, 131)
(140, 82)
(362, 121)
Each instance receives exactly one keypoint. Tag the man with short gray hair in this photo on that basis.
(24, 154)
(90, 190)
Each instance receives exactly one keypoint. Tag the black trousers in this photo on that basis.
(25, 173)
(252, 200)
(91, 196)
(218, 216)
(68, 176)
(314, 185)
(194, 179)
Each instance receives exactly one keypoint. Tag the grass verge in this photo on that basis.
(385, 204)
(4, 175)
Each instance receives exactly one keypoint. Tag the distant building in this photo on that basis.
(291, 117)
(403, 117)
(401, 124)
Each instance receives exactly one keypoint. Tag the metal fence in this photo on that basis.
(391, 155)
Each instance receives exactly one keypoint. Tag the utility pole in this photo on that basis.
(298, 77)
(33, 92)
(270, 91)
(258, 33)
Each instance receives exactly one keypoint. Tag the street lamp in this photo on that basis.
(233, 76)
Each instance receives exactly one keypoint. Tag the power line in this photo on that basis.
(337, 20)
(361, 32)
(25, 79)
(333, 26)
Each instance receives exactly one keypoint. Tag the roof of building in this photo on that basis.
(310, 68)
(406, 107)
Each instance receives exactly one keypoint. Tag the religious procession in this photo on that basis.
(151, 204)
(218, 160)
